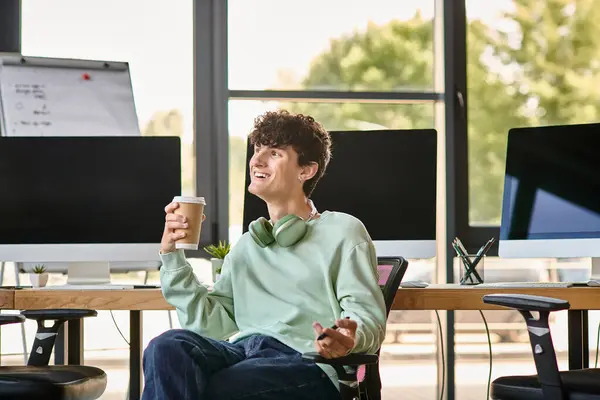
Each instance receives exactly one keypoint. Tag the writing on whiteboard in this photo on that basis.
(38, 91)
(31, 107)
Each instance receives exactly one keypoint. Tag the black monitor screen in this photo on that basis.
(552, 183)
(63, 190)
(385, 178)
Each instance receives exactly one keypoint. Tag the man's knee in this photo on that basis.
(165, 345)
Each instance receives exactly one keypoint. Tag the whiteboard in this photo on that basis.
(63, 97)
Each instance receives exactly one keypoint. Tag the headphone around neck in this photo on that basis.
(286, 232)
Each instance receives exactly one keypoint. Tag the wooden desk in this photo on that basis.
(7, 299)
(454, 297)
(449, 297)
(134, 299)
(432, 298)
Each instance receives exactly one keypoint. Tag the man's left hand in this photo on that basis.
(338, 342)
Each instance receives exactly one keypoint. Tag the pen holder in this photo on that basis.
(471, 269)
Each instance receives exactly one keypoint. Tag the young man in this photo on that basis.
(282, 286)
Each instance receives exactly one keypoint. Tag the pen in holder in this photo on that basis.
(471, 269)
(470, 274)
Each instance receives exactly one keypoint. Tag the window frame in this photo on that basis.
(10, 26)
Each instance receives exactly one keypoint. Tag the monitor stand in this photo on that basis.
(595, 274)
(88, 276)
(88, 273)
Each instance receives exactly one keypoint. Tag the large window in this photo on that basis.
(345, 47)
(530, 63)
(154, 36)
(378, 45)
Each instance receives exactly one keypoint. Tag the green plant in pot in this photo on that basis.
(217, 253)
(39, 276)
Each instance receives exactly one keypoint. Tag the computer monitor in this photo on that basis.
(550, 204)
(85, 201)
(385, 178)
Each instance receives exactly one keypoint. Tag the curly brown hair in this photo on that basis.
(305, 135)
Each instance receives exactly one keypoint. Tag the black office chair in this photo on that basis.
(549, 383)
(358, 374)
(37, 380)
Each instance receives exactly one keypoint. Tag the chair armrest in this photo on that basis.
(46, 335)
(349, 360)
(527, 302)
(58, 314)
(540, 337)
(11, 319)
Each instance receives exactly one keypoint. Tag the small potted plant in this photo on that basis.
(39, 276)
(218, 253)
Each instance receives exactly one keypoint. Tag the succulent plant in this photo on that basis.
(39, 269)
(218, 251)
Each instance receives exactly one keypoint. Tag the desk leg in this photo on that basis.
(135, 355)
(75, 342)
(60, 347)
(68, 347)
(579, 348)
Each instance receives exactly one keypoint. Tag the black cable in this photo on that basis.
(117, 326)
(442, 354)
(597, 343)
(487, 331)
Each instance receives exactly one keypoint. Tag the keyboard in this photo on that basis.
(87, 287)
(526, 285)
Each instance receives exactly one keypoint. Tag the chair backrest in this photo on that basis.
(391, 271)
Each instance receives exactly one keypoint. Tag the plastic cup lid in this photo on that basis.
(189, 199)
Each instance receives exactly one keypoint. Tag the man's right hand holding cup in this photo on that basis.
(183, 220)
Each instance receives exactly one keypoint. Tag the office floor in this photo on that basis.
(405, 379)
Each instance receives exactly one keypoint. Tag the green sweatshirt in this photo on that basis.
(277, 291)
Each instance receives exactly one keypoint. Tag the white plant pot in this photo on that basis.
(216, 263)
(38, 280)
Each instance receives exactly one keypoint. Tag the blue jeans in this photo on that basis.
(180, 364)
